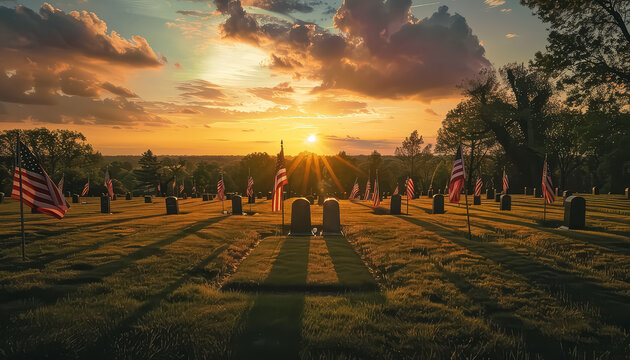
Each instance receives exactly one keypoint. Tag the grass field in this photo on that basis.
(138, 284)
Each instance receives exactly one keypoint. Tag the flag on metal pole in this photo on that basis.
(376, 196)
(367, 190)
(456, 183)
(395, 191)
(181, 188)
(109, 185)
(221, 189)
(86, 188)
(355, 190)
(506, 183)
(250, 186)
(547, 188)
(280, 180)
(410, 188)
(478, 187)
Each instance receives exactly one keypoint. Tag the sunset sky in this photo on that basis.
(225, 77)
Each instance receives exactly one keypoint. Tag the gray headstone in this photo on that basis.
(105, 204)
(489, 194)
(172, 206)
(148, 200)
(68, 194)
(259, 196)
(269, 195)
(75, 198)
(627, 194)
(311, 199)
(320, 200)
(237, 205)
(497, 198)
(566, 194)
(332, 219)
(525, 190)
(477, 200)
(205, 197)
(506, 203)
(438, 204)
(2, 196)
(128, 196)
(556, 192)
(595, 190)
(301, 218)
(251, 199)
(394, 206)
(575, 212)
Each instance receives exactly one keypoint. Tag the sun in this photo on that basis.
(311, 139)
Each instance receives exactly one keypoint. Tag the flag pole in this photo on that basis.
(282, 190)
(19, 161)
(249, 174)
(407, 193)
(466, 197)
(543, 190)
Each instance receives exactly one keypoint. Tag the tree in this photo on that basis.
(564, 146)
(410, 151)
(374, 162)
(148, 176)
(463, 125)
(589, 44)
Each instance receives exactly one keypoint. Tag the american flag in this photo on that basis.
(38, 191)
(409, 185)
(60, 185)
(86, 188)
(159, 188)
(221, 189)
(458, 176)
(376, 196)
(368, 187)
(355, 190)
(395, 191)
(478, 187)
(250, 186)
(109, 185)
(181, 188)
(547, 185)
(280, 180)
(506, 183)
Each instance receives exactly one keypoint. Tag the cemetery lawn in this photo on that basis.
(137, 284)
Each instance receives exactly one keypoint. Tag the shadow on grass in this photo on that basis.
(272, 328)
(613, 307)
(67, 286)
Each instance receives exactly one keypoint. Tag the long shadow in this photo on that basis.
(350, 269)
(68, 286)
(273, 326)
(614, 307)
(102, 348)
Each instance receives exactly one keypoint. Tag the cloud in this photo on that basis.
(329, 106)
(494, 3)
(178, 66)
(381, 50)
(431, 112)
(201, 89)
(510, 36)
(197, 13)
(353, 143)
(118, 90)
(506, 10)
(277, 94)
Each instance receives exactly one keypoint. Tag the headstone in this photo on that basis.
(237, 205)
(345, 195)
(534, 192)
(311, 199)
(205, 197)
(525, 190)
(627, 195)
(439, 191)
(595, 190)
(269, 195)
(556, 192)
(75, 199)
(575, 212)
(148, 200)
(394, 206)
(320, 200)
(172, 206)
(185, 197)
(477, 200)
(566, 194)
(105, 204)
(128, 196)
(497, 198)
(506, 203)
(332, 219)
(251, 199)
(68, 194)
(537, 194)
(2, 196)
(430, 193)
(489, 194)
(301, 218)
(259, 196)
(438, 204)
(285, 195)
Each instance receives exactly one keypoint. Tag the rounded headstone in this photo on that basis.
(75, 198)
(394, 205)
(148, 199)
(237, 205)
(105, 204)
(301, 218)
(525, 190)
(497, 198)
(259, 196)
(332, 218)
(269, 195)
(506, 203)
(575, 212)
(438, 204)
(477, 200)
(489, 194)
(128, 196)
(595, 190)
(205, 197)
(172, 206)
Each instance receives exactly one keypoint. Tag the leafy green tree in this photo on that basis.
(410, 151)
(148, 176)
(589, 45)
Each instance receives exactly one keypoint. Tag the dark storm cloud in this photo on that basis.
(381, 51)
